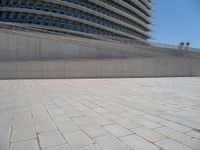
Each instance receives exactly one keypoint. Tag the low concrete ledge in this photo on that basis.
(105, 68)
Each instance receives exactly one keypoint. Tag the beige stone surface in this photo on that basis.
(100, 114)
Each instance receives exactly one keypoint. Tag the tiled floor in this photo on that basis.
(100, 114)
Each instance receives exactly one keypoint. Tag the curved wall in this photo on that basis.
(113, 18)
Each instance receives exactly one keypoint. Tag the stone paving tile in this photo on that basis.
(22, 123)
(38, 113)
(101, 120)
(67, 126)
(186, 122)
(74, 113)
(90, 147)
(128, 124)
(84, 121)
(5, 122)
(23, 109)
(61, 112)
(92, 114)
(22, 115)
(21, 134)
(60, 147)
(148, 123)
(173, 134)
(45, 126)
(108, 142)
(5, 133)
(148, 134)
(193, 143)
(50, 139)
(101, 110)
(94, 131)
(138, 143)
(25, 145)
(195, 134)
(41, 117)
(117, 130)
(4, 144)
(112, 116)
(176, 126)
(153, 118)
(168, 144)
(61, 118)
(129, 115)
(77, 139)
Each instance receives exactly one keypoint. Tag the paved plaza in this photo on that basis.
(100, 114)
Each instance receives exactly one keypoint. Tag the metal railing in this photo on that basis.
(175, 47)
(70, 33)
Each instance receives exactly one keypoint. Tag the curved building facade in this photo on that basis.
(129, 19)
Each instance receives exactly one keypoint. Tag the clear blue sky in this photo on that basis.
(176, 21)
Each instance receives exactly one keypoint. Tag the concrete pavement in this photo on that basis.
(100, 114)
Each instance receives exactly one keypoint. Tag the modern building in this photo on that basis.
(119, 19)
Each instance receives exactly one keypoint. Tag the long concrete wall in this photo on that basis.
(18, 45)
(136, 67)
(38, 55)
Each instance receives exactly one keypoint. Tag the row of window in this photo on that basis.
(141, 1)
(54, 22)
(124, 9)
(135, 6)
(78, 14)
(100, 9)
(88, 4)
(84, 3)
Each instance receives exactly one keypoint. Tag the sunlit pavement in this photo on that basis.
(100, 114)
